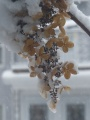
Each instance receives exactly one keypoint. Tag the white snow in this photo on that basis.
(72, 7)
(81, 17)
(8, 22)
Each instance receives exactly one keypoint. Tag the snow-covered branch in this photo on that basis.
(76, 15)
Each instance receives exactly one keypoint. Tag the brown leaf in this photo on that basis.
(29, 42)
(66, 38)
(65, 49)
(45, 56)
(21, 13)
(32, 74)
(60, 43)
(70, 44)
(47, 34)
(47, 87)
(62, 30)
(61, 89)
(32, 68)
(66, 14)
(52, 105)
(39, 76)
(67, 74)
(26, 48)
(34, 28)
(41, 50)
(66, 88)
(32, 51)
(56, 18)
(54, 71)
(52, 32)
(54, 25)
(62, 4)
(49, 44)
(70, 66)
(37, 16)
(38, 61)
(62, 22)
(35, 44)
(61, 35)
(73, 71)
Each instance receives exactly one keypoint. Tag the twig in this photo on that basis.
(79, 23)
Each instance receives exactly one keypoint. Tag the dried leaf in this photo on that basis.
(67, 74)
(35, 44)
(60, 43)
(32, 51)
(65, 49)
(26, 48)
(38, 61)
(62, 30)
(32, 74)
(29, 42)
(47, 34)
(37, 16)
(32, 68)
(34, 28)
(62, 4)
(60, 90)
(49, 44)
(66, 14)
(21, 13)
(70, 44)
(43, 93)
(45, 56)
(54, 25)
(54, 71)
(41, 50)
(62, 22)
(66, 38)
(47, 87)
(52, 105)
(70, 66)
(61, 35)
(73, 71)
(56, 18)
(66, 88)
(52, 32)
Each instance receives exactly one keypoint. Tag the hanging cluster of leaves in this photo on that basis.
(41, 48)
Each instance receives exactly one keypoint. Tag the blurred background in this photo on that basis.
(19, 97)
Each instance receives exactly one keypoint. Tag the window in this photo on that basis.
(18, 59)
(75, 112)
(1, 112)
(18, 63)
(2, 55)
(38, 112)
(80, 51)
